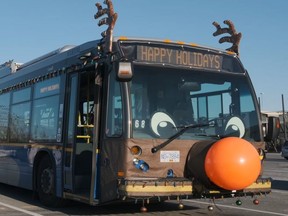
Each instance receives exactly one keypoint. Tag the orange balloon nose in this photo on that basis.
(232, 163)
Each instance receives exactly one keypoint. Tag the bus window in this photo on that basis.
(20, 122)
(217, 106)
(213, 101)
(47, 88)
(45, 116)
(45, 110)
(88, 110)
(248, 109)
(226, 100)
(114, 126)
(22, 95)
(20, 116)
(202, 104)
(213, 97)
(140, 108)
(72, 111)
(4, 114)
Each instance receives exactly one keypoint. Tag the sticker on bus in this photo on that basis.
(170, 156)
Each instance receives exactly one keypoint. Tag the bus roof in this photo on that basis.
(58, 59)
(51, 61)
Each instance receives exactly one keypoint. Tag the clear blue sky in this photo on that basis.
(32, 28)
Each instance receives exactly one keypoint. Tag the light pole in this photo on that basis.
(261, 100)
(284, 118)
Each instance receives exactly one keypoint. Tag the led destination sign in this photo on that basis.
(179, 57)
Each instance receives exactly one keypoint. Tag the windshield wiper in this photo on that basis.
(179, 133)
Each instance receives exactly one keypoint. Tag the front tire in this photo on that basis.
(46, 183)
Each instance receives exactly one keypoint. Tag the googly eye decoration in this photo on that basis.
(162, 125)
(235, 127)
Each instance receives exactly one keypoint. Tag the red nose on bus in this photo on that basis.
(230, 163)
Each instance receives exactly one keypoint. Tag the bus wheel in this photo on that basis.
(46, 183)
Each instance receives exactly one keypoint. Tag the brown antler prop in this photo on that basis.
(110, 21)
(234, 38)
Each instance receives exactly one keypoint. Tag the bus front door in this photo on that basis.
(78, 177)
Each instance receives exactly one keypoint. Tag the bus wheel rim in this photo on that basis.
(47, 181)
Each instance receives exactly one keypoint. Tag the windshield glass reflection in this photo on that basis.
(186, 97)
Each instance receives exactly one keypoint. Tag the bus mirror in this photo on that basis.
(273, 128)
(125, 71)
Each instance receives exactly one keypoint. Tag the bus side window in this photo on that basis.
(4, 114)
(45, 110)
(20, 116)
(20, 122)
(45, 115)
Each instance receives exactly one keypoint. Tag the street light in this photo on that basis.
(261, 100)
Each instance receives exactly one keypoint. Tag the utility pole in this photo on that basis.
(284, 118)
(262, 102)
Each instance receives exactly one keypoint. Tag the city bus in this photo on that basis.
(131, 119)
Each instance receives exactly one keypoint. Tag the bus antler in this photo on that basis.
(234, 38)
(110, 21)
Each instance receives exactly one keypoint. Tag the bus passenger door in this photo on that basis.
(79, 139)
(72, 86)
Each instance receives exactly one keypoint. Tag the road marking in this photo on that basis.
(19, 209)
(239, 208)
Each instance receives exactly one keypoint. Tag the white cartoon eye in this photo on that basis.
(235, 126)
(162, 124)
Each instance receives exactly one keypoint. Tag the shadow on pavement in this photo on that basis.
(280, 184)
(76, 208)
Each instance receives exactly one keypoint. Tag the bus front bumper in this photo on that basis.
(184, 188)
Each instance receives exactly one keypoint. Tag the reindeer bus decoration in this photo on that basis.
(234, 38)
(110, 21)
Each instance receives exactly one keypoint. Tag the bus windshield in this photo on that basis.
(164, 100)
